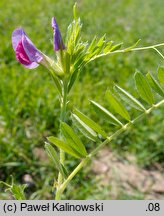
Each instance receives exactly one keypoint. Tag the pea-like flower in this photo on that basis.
(28, 55)
(25, 51)
(58, 42)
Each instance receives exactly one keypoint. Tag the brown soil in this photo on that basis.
(126, 175)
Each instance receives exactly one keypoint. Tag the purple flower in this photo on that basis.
(25, 51)
(58, 42)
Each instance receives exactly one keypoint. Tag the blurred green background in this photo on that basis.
(29, 107)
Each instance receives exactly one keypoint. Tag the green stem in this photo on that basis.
(62, 153)
(158, 52)
(108, 140)
(75, 171)
(133, 49)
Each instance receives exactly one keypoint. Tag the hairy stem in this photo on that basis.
(108, 140)
(62, 153)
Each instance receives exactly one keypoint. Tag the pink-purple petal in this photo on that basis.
(32, 65)
(21, 56)
(26, 52)
(58, 42)
(32, 52)
(16, 37)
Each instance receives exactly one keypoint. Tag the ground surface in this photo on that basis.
(125, 175)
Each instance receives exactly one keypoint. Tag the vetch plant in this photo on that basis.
(71, 55)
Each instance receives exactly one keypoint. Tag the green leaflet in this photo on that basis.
(16, 190)
(66, 63)
(161, 75)
(117, 105)
(92, 45)
(95, 48)
(108, 46)
(55, 159)
(73, 139)
(154, 84)
(64, 146)
(73, 35)
(115, 47)
(85, 130)
(57, 83)
(68, 36)
(75, 11)
(143, 88)
(90, 123)
(128, 98)
(78, 55)
(100, 110)
(73, 79)
(133, 46)
(101, 41)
